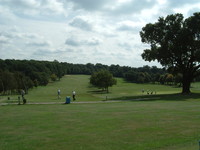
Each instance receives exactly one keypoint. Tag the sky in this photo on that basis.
(82, 31)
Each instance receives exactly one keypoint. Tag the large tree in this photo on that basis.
(175, 43)
(102, 79)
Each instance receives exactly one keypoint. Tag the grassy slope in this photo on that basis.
(80, 83)
(149, 125)
(165, 123)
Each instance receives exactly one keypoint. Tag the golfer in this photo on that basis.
(58, 93)
(74, 95)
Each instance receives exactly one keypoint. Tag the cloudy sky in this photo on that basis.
(82, 31)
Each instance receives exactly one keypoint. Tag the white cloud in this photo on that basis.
(132, 6)
(81, 24)
(129, 26)
(188, 9)
(72, 41)
(90, 5)
(180, 3)
(125, 46)
(82, 31)
(36, 9)
(125, 28)
(53, 6)
(3, 40)
(93, 42)
(6, 16)
(39, 43)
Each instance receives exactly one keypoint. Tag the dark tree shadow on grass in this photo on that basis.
(100, 91)
(160, 97)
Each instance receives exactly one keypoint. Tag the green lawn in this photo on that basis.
(151, 125)
(165, 121)
(80, 83)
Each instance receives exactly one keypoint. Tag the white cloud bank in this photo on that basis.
(82, 31)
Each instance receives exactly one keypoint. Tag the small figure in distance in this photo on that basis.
(74, 95)
(58, 93)
(23, 99)
(22, 93)
(148, 92)
(142, 91)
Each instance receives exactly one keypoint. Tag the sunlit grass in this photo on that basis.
(125, 125)
(165, 121)
(85, 92)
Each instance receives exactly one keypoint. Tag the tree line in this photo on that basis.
(145, 74)
(25, 74)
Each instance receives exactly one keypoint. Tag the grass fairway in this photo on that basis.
(80, 83)
(149, 125)
(165, 122)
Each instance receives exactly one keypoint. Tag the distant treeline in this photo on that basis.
(25, 74)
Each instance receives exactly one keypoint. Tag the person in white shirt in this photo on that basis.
(58, 93)
(74, 95)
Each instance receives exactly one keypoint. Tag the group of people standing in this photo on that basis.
(73, 94)
(148, 92)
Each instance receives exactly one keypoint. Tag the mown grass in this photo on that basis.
(148, 125)
(165, 121)
(85, 92)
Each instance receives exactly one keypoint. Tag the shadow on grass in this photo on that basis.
(160, 97)
(97, 92)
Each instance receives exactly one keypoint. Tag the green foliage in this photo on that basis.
(102, 79)
(175, 43)
(36, 73)
(53, 77)
(7, 81)
(137, 77)
(169, 78)
(24, 74)
(40, 72)
(143, 74)
(131, 76)
(35, 82)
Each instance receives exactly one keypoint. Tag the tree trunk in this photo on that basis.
(186, 86)
(107, 89)
(2, 86)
